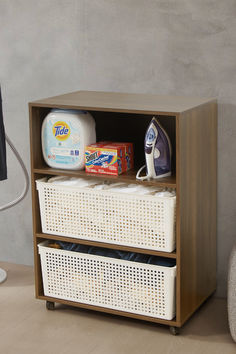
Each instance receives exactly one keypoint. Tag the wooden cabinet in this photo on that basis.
(191, 124)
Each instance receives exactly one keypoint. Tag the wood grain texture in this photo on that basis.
(36, 158)
(111, 311)
(127, 177)
(123, 102)
(42, 236)
(35, 206)
(193, 136)
(196, 208)
(36, 119)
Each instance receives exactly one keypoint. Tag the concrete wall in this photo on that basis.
(183, 47)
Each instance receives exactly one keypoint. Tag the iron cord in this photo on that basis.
(26, 186)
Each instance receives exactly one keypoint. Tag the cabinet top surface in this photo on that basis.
(123, 102)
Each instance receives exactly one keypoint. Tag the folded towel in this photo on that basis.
(128, 256)
(72, 181)
(117, 187)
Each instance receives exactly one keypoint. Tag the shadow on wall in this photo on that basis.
(226, 221)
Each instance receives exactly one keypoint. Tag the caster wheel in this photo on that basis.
(174, 330)
(50, 305)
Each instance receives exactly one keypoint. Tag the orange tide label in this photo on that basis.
(61, 130)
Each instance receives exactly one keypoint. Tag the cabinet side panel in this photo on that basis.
(196, 185)
(35, 150)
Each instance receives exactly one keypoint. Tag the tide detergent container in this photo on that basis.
(65, 133)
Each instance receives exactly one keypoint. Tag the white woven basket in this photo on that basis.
(113, 283)
(105, 216)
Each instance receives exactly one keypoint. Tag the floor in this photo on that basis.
(27, 327)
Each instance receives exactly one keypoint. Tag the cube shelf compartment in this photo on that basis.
(191, 124)
(104, 216)
(105, 281)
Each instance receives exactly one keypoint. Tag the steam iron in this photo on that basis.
(158, 152)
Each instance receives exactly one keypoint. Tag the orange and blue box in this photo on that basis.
(129, 155)
(105, 159)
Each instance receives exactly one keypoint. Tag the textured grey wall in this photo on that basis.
(183, 47)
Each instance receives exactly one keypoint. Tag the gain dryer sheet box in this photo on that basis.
(106, 158)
